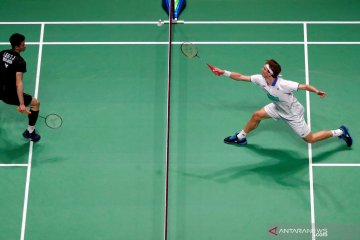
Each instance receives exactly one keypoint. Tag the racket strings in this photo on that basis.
(53, 121)
(189, 50)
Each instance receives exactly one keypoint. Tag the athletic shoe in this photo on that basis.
(34, 136)
(234, 140)
(346, 135)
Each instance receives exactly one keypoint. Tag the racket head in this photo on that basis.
(189, 50)
(53, 120)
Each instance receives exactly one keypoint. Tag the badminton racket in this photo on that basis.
(52, 120)
(190, 51)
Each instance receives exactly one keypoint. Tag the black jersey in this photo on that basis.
(10, 63)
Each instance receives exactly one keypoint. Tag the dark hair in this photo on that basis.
(16, 39)
(274, 66)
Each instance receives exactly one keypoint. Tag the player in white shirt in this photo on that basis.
(284, 105)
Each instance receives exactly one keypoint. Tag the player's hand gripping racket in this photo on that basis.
(190, 50)
(52, 120)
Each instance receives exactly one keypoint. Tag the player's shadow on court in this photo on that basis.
(279, 167)
(14, 153)
(10, 151)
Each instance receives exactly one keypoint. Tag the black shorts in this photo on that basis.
(14, 100)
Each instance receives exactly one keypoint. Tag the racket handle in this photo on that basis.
(26, 111)
(213, 70)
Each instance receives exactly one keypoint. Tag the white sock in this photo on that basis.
(241, 135)
(337, 132)
(31, 128)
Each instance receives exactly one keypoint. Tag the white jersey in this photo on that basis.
(280, 92)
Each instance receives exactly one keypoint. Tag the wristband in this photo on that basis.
(227, 73)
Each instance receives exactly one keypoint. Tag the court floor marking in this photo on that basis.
(194, 42)
(14, 165)
(314, 165)
(272, 22)
(183, 22)
(83, 23)
(311, 178)
(27, 186)
(336, 164)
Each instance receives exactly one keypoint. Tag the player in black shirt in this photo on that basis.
(12, 68)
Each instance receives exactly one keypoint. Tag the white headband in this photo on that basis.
(269, 69)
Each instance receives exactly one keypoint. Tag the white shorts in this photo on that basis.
(296, 122)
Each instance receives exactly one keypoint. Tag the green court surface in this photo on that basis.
(102, 175)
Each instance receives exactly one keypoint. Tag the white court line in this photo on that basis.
(336, 164)
(273, 42)
(105, 43)
(91, 43)
(311, 177)
(333, 43)
(27, 186)
(14, 165)
(184, 22)
(194, 42)
(155, 43)
(22, 236)
(84, 23)
(272, 22)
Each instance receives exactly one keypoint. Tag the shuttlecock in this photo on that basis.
(160, 23)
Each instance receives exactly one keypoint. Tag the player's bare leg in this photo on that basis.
(342, 133)
(30, 133)
(255, 120)
(253, 123)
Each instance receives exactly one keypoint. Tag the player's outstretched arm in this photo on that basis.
(312, 89)
(233, 75)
